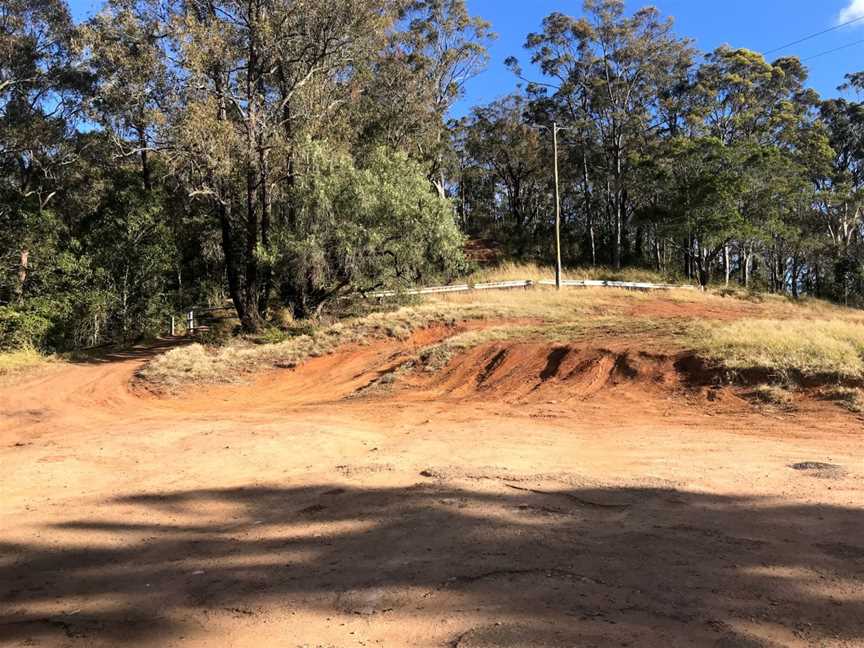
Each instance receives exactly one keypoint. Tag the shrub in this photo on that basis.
(22, 329)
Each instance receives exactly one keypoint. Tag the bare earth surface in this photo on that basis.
(529, 494)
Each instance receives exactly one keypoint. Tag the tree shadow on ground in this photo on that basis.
(587, 566)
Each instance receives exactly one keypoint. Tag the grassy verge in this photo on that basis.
(198, 364)
(670, 332)
(833, 347)
(13, 363)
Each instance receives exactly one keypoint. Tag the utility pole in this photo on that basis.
(557, 209)
(555, 128)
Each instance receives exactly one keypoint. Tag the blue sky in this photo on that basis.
(756, 24)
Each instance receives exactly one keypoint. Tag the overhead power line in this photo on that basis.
(824, 31)
(831, 51)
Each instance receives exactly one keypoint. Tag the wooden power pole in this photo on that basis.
(557, 209)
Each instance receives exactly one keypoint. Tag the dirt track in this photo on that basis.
(527, 495)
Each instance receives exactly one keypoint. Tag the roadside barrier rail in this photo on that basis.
(530, 283)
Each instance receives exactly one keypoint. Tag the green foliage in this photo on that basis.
(132, 245)
(361, 228)
(21, 330)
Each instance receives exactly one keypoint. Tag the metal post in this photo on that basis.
(557, 210)
(190, 322)
(172, 326)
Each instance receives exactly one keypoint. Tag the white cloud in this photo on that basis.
(851, 12)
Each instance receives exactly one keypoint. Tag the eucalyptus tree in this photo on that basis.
(511, 153)
(606, 75)
(763, 107)
(126, 48)
(436, 48)
(40, 89)
(258, 77)
(840, 205)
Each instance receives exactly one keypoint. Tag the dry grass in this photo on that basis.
(512, 271)
(17, 362)
(544, 304)
(805, 346)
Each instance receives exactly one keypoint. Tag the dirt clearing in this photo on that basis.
(527, 493)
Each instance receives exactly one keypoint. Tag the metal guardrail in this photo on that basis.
(504, 285)
(529, 283)
(628, 285)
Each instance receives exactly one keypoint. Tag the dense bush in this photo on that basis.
(22, 329)
(363, 225)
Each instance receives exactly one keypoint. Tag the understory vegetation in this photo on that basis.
(283, 159)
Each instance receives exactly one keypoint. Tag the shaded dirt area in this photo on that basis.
(528, 494)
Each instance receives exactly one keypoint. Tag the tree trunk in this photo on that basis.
(251, 319)
(702, 267)
(23, 269)
(589, 217)
(266, 209)
(727, 264)
(232, 270)
(688, 257)
(817, 282)
(619, 206)
(616, 255)
(795, 272)
(223, 213)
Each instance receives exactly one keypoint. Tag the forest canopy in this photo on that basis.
(278, 155)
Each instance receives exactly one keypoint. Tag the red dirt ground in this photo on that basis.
(526, 495)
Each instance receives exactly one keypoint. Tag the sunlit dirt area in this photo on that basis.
(605, 492)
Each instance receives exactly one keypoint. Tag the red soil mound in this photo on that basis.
(519, 372)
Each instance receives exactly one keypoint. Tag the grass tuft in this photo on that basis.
(773, 395)
(848, 397)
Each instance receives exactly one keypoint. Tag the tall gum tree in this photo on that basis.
(606, 74)
(40, 89)
(259, 75)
